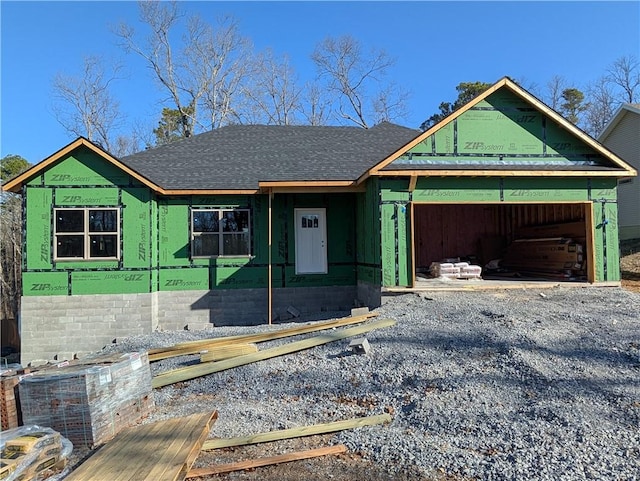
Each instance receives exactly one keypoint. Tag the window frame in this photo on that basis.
(220, 232)
(86, 234)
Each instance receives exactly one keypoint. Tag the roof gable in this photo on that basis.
(503, 131)
(79, 153)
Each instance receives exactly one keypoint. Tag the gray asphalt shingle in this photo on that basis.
(239, 156)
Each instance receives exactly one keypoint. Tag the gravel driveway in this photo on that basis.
(507, 385)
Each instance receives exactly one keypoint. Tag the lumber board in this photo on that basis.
(194, 347)
(299, 432)
(219, 353)
(256, 463)
(162, 451)
(203, 369)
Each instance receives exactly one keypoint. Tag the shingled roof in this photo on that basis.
(240, 156)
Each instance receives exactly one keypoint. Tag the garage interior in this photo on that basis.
(517, 241)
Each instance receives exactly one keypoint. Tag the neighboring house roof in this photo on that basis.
(244, 156)
(624, 110)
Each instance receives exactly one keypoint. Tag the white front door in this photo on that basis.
(311, 241)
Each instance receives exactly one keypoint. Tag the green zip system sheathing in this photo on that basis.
(523, 201)
(501, 130)
(367, 238)
(155, 236)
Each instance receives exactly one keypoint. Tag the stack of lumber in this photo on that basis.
(89, 401)
(455, 270)
(558, 257)
(162, 451)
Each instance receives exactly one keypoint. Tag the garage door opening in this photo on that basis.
(508, 241)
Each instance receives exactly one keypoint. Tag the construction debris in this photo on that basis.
(360, 346)
(162, 451)
(256, 463)
(297, 432)
(203, 369)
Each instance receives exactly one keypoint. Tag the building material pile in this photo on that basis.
(206, 368)
(32, 452)
(162, 451)
(8, 403)
(455, 270)
(560, 257)
(89, 401)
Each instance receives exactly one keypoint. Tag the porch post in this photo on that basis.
(269, 288)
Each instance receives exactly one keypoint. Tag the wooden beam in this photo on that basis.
(502, 173)
(256, 463)
(297, 432)
(194, 347)
(413, 180)
(198, 370)
(269, 270)
(306, 183)
(220, 353)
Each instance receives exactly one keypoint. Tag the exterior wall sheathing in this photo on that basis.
(521, 201)
(156, 284)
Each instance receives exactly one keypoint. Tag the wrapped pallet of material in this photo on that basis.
(471, 272)
(445, 270)
(33, 453)
(89, 401)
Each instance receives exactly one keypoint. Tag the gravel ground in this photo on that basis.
(504, 385)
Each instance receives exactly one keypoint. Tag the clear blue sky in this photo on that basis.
(437, 45)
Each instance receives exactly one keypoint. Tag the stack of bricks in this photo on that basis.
(89, 401)
(9, 404)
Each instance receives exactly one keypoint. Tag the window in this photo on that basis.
(220, 232)
(87, 233)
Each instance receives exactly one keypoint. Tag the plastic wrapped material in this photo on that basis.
(33, 453)
(91, 400)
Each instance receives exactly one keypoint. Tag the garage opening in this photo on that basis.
(508, 241)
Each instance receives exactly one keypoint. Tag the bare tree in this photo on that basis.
(220, 60)
(85, 106)
(204, 74)
(316, 107)
(600, 106)
(624, 73)
(274, 96)
(555, 87)
(357, 80)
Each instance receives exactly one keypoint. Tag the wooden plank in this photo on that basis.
(203, 369)
(162, 451)
(220, 353)
(194, 347)
(256, 463)
(297, 432)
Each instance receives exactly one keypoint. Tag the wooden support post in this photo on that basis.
(270, 301)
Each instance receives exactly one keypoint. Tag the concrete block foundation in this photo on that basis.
(55, 327)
